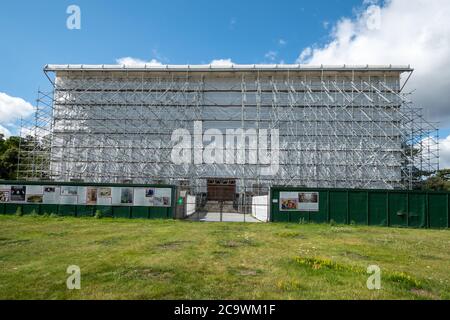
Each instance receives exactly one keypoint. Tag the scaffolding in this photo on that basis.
(338, 126)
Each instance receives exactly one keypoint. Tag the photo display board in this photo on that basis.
(126, 196)
(299, 201)
(153, 197)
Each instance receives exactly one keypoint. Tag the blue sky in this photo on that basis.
(34, 33)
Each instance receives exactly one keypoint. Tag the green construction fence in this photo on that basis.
(81, 210)
(393, 208)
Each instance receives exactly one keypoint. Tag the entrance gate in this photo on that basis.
(223, 201)
(221, 189)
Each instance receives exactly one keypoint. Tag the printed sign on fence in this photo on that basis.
(299, 201)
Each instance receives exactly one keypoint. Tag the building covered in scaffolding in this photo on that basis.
(327, 126)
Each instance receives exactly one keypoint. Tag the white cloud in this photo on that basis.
(134, 62)
(222, 63)
(415, 32)
(5, 131)
(271, 55)
(282, 42)
(11, 110)
(306, 53)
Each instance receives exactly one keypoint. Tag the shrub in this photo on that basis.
(98, 214)
(19, 212)
(34, 214)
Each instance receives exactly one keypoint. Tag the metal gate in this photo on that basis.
(222, 203)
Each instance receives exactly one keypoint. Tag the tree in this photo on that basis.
(438, 182)
(9, 156)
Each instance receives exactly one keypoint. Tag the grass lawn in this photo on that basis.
(143, 259)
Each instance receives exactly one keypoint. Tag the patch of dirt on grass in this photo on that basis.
(428, 257)
(341, 230)
(172, 245)
(239, 242)
(248, 273)
(354, 255)
(226, 229)
(8, 242)
(244, 271)
(109, 241)
(146, 273)
(229, 244)
(221, 253)
(57, 234)
(425, 294)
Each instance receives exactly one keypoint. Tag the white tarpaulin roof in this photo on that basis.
(226, 67)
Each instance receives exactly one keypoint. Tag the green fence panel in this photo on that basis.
(378, 209)
(158, 213)
(322, 215)
(122, 212)
(398, 209)
(274, 206)
(338, 206)
(296, 216)
(281, 216)
(357, 206)
(85, 211)
(139, 212)
(30, 209)
(106, 211)
(11, 208)
(417, 210)
(66, 210)
(276, 214)
(414, 209)
(438, 210)
(48, 209)
(2, 208)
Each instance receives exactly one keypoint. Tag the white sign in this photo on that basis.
(299, 201)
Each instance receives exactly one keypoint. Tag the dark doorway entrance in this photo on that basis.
(221, 189)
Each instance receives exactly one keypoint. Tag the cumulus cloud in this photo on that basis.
(11, 110)
(271, 55)
(415, 32)
(5, 131)
(135, 62)
(222, 63)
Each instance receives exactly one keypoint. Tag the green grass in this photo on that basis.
(143, 259)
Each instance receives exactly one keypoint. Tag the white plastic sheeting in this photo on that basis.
(338, 127)
(260, 208)
(190, 205)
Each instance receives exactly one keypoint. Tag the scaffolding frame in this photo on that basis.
(339, 126)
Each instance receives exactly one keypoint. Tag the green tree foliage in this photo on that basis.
(439, 182)
(9, 155)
